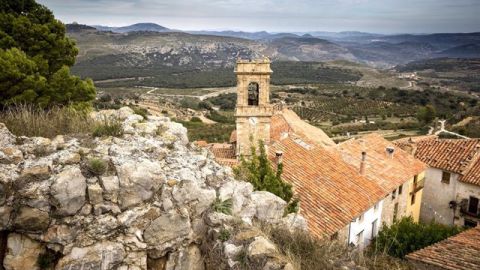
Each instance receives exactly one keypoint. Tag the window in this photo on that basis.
(470, 223)
(446, 177)
(394, 194)
(473, 205)
(360, 218)
(412, 201)
(375, 206)
(374, 228)
(360, 238)
(400, 189)
(253, 94)
(395, 211)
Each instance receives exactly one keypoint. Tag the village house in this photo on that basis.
(459, 252)
(396, 171)
(452, 183)
(337, 199)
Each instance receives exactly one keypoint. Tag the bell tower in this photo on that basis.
(254, 111)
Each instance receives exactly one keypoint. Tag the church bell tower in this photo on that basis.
(254, 111)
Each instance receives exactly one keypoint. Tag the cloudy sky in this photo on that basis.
(381, 16)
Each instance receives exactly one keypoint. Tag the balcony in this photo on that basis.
(418, 186)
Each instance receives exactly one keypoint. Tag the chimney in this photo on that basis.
(390, 150)
(362, 163)
(279, 157)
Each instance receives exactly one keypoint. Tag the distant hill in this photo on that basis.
(139, 27)
(75, 27)
(149, 45)
(463, 51)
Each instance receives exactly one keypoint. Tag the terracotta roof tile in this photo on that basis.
(472, 176)
(331, 192)
(224, 153)
(389, 171)
(450, 155)
(459, 252)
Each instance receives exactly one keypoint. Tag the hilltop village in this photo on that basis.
(349, 190)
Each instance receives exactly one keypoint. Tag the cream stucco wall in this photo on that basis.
(464, 191)
(436, 197)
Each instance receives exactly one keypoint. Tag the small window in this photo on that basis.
(473, 205)
(374, 228)
(360, 218)
(412, 200)
(395, 211)
(394, 194)
(360, 238)
(375, 207)
(400, 189)
(446, 177)
(253, 94)
(470, 223)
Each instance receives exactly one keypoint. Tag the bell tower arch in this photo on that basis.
(254, 111)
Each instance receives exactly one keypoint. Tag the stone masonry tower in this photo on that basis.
(254, 112)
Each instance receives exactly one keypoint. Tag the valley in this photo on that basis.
(347, 83)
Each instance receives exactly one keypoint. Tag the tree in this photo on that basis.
(258, 171)
(35, 56)
(426, 114)
(405, 236)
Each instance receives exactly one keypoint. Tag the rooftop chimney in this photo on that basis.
(279, 157)
(362, 163)
(390, 150)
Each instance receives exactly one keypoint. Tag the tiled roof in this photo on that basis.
(224, 153)
(450, 155)
(389, 171)
(459, 252)
(233, 137)
(472, 176)
(287, 121)
(406, 142)
(331, 192)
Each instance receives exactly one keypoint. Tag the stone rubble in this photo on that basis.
(151, 209)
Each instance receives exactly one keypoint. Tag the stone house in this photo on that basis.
(452, 182)
(335, 198)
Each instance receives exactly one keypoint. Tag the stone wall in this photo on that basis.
(150, 209)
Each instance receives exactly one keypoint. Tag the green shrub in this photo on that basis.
(224, 235)
(258, 171)
(97, 166)
(108, 128)
(195, 120)
(140, 111)
(405, 236)
(224, 207)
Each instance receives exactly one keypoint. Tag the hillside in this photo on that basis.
(138, 27)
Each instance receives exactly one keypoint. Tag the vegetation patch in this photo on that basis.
(33, 121)
(109, 127)
(405, 236)
(97, 166)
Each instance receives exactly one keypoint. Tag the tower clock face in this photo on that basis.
(253, 121)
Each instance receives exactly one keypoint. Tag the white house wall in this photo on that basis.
(365, 225)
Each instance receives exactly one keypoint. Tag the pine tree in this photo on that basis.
(35, 56)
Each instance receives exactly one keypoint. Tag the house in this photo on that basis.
(452, 183)
(337, 200)
(459, 252)
(397, 172)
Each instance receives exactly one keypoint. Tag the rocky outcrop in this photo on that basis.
(150, 208)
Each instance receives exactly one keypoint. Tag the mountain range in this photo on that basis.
(147, 45)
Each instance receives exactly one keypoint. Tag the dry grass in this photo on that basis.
(307, 252)
(31, 121)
